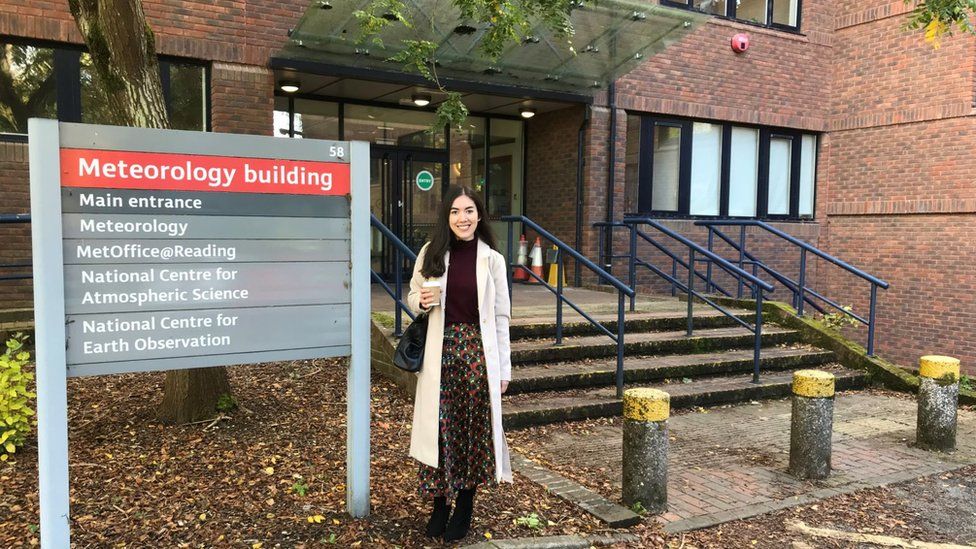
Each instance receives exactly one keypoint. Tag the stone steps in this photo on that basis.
(547, 377)
(526, 351)
(541, 326)
(522, 410)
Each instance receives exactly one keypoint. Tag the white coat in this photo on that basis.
(494, 310)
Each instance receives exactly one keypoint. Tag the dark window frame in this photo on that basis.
(67, 67)
(645, 169)
(731, 13)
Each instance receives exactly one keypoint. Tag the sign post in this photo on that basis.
(160, 250)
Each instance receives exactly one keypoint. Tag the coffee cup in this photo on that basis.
(435, 287)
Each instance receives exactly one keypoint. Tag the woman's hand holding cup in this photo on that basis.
(430, 294)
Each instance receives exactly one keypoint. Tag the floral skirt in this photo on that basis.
(466, 454)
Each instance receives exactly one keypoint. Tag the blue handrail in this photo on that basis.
(563, 250)
(15, 218)
(694, 250)
(399, 251)
(603, 226)
(12, 219)
(799, 287)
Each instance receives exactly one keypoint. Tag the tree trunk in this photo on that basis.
(191, 395)
(123, 51)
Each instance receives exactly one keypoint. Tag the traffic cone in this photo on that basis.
(553, 279)
(537, 261)
(519, 275)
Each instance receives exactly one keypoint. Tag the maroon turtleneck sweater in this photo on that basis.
(462, 283)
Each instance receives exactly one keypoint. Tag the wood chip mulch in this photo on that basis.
(269, 474)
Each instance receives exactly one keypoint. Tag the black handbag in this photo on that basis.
(409, 354)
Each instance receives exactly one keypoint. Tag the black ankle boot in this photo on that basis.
(438, 518)
(460, 521)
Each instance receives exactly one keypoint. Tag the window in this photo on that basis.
(60, 82)
(808, 170)
(632, 160)
(487, 155)
(186, 95)
(468, 151)
(783, 14)
(751, 10)
(716, 7)
(711, 169)
(315, 119)
(389, 126)
(505, 165)
(665, 163)
(28, 86)
(706, 170)
(743, 172)
(780, 162)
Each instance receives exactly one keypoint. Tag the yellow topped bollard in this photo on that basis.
(938, 367)
(645, 448)
(645, 404)
(938, 401)
(813, 384)
(811, 424)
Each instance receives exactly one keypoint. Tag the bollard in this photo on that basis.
(812, 424)
(645, 475)
(938, 398)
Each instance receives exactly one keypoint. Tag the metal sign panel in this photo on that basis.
(154, 254)
(161, 250)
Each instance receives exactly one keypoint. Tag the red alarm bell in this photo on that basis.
(740, 42)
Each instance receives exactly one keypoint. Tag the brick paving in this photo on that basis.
(730, 463)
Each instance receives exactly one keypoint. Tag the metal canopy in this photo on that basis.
(611, 37)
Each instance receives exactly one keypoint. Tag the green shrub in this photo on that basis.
(226, 403)
(15, 397)
(839, 320)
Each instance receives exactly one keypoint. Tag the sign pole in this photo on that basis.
(357, 395)
(52, 374)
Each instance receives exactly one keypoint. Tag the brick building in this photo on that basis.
(837, 124)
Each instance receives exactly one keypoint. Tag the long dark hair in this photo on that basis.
(441, 235)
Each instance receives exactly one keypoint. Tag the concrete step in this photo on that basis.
(544, 325)
(522, 410)
(649, 343)
(548, 377)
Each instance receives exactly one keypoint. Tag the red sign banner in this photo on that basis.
(186, 172)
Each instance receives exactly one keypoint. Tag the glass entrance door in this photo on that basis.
(406, 189)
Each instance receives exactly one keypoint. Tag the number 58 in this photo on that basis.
(335, 150)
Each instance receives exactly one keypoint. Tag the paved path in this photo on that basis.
(730, 463)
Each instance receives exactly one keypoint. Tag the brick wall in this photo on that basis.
(16, 248)
(927, 260)
(242, 99)
(901, 181)
(701, 77)
(238, 31)
(550, 185)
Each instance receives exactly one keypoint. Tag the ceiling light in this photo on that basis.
(421, 99)
(527, 112)
(289, 86)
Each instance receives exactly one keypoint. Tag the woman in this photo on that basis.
(457, 419)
